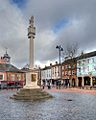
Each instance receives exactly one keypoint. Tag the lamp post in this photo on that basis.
(60, 50)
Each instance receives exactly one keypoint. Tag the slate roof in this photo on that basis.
(8, 68)
(87, 55)
(68, 61)
(46, 67)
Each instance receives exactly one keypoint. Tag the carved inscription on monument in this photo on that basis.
(33, 77)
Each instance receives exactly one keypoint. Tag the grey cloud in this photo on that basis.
(48, 12)
(81, 27)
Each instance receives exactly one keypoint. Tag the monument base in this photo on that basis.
(31, 94)
(31, 91)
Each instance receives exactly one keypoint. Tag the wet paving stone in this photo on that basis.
(64, 106)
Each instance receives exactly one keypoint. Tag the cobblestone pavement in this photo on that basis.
(67, 104)
(72, 90)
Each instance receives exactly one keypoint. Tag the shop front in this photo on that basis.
(11, 84)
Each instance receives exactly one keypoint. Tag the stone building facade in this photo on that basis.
(86, 70)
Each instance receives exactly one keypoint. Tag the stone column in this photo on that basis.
(91, 81)
(82, 81)
(31, 75)
(31, 36)
(77, 81)
(31, 53)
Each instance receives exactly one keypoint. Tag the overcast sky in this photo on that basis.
(58, 22)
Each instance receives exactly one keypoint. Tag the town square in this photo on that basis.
(47, 60)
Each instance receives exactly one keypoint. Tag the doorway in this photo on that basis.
(86, 80)
(80, 81)
(73, 82)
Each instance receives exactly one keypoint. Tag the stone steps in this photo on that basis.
(31, 94)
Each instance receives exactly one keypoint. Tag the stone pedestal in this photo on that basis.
(31, 91)
(31, 80)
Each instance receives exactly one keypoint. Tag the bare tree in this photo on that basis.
(70, 58)
(71, 50)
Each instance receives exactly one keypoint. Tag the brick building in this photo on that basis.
(69, 72)
(9, 74)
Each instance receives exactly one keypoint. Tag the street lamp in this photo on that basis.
(60, 49)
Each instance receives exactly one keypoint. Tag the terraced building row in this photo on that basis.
(77, 72)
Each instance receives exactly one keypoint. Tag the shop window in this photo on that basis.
(13, 77)
(18, 76)
(1, 77)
